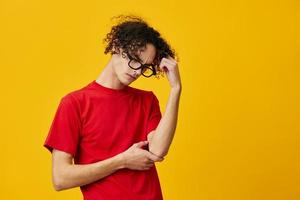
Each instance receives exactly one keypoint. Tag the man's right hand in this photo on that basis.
(136, 158)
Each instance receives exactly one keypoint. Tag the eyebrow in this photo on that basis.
(140, 60)
(150, 63)
(146, 63)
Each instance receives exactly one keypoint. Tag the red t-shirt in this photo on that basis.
(94, 123)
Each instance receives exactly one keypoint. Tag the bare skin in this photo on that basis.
(67, 175)
(161, 138)
(116, 75)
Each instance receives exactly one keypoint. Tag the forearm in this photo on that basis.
(74, 175)
(163, 136)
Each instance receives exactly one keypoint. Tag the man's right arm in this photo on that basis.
(67, 175)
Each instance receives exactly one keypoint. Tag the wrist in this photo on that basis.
(176, 89)
(121, 160)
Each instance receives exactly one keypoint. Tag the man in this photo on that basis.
(113, 132)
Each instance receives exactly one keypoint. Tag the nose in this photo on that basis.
(137, 73)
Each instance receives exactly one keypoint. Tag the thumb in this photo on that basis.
(141, 143)
(154, 157)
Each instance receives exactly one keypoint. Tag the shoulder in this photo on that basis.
(68, 102)
(76, 95)
(73, 98)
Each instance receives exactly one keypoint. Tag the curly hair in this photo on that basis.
(132, 33)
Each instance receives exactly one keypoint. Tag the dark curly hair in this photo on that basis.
(132, 33)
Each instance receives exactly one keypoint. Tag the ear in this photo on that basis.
(119, 52)
(116, 50)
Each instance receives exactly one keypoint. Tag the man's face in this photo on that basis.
(127, 75)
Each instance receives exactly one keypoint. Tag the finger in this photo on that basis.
(164, 65)
(149, 161)
(144, 167)
(173, 59)
(167, 63)
(170, 61)
(149, 166)
(154, 157)
(141, 143)
(160, 158)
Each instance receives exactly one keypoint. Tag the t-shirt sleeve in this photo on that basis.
(65, 129)
(154, 115)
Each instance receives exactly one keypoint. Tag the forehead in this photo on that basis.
(147, 54)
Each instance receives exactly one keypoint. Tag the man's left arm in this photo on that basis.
(161, 139)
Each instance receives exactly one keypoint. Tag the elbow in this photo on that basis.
(61, 163)
(152, 148)
(58, 182)
(158, 151)
(58, 185)
(58, 188)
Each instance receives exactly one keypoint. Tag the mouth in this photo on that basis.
(131, 77)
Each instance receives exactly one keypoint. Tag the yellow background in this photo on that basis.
(238, 132)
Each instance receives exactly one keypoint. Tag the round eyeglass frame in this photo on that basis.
(142, 66)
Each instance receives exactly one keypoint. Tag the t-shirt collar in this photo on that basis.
(108, 90)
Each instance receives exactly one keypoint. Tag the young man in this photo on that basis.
(113, 132)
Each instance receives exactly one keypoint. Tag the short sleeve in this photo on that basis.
(154, 115)
(65, 129)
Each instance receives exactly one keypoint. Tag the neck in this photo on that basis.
(108, 77)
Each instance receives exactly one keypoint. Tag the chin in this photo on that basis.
(129, 82)
(126, 82)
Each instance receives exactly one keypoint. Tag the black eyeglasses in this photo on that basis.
(147, 69)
